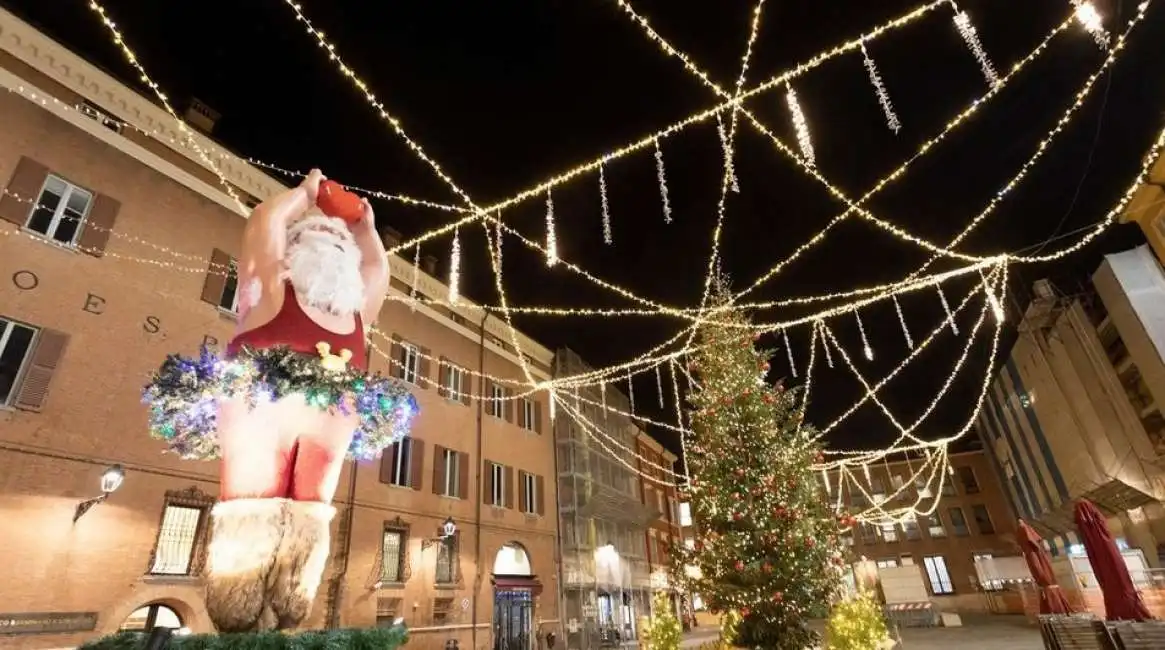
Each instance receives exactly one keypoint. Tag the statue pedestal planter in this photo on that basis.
(354, 639)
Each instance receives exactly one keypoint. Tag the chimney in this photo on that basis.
(201, 116)
(389, 236)
(429, 264)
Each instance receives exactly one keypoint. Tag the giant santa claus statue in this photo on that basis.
(287, 402)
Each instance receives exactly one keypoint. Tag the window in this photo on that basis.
(447, 560)
(529, 422)
(949, 488)
(60, 210)
(442, 610)
(869, 533)
(982, 519)
(936, 572)
(15, 350)
(409, 360)
(401, 463)
(911, 530)
(453, 384)
(145, 619)
(393, 557)
(934, 526)
(230, 290)
(890, 532)
(967, 478)
(388, 610)
(923, 488)
(451, 460)
(177, 537)
(878, 490)
(959, 522)
(221, 286)
(497, 399)
(529, 494)
(497, 485)
(887, 563)
(988, 585)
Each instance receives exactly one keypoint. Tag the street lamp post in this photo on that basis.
(110, 481)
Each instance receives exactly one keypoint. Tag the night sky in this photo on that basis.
(504, 93)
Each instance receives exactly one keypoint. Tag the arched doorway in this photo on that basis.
(515, 586)
(148, 617)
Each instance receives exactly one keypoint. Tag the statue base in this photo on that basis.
(388, 638)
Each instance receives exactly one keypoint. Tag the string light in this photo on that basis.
(551, 236)
(729, 166)
(800, 126)
(553, 406)
(866, 349)
(880, 90)
(659, 385)
(659, 173)
(971, 38)
(789, 352)
(1090, 19)
(607, 238)
(416, 276)
(996, 306)
(947, 308)
(819, 325)
(631, 393)
(603, 392)
(455, 269)
(902, 322)
(295, 174)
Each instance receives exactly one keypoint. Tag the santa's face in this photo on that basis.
(324, 263)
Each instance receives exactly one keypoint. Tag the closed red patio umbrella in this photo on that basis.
(1122, 601)
(1052, 599)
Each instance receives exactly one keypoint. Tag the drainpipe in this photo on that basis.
(478, 573)
(336, 588)
(560, 588)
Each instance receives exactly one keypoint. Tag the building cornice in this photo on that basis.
(52, 59)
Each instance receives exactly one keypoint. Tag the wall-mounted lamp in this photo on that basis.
(444, 531)
(110, 481)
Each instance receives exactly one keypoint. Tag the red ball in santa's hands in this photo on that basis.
(335, 201)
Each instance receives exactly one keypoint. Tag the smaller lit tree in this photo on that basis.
(856, 624)
(663, 631)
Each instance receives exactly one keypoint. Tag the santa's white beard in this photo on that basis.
(325, 266)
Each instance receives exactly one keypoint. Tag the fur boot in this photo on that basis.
(244, 542)
(300, 562)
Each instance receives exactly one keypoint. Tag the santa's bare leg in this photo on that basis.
(250, 518)
(303, 553)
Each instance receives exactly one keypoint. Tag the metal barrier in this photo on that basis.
(919, 614)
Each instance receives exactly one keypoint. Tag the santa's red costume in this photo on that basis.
(312, 283)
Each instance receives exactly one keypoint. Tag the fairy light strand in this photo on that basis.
(551, 235)
(971, 38)
(1092, 22)
(902, 322)
(789, 352)
(892, 121)
(800, 126)
(866, 349)
(947, 308)
(661, 177)
(455, 269)
(608, 238)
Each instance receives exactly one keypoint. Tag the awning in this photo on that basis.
(1112, 498)
(613, 505)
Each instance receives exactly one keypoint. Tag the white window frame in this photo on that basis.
(889, 532)
(887, 563)
(938, 575)
(528, 415)
(402, 464)
(233, 307)
(59, 212)
(398, 569)
(410, 362)
(530, 505)
(498, 474)
(452, 476)
(454, 382)
(931, 527)
(497, 407)
(6, 328)
(185, 516)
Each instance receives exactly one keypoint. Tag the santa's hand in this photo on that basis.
(367, 221)
(311, 183)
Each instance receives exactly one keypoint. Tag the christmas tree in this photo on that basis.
(663, 632)
(857, 624)
(766, 539)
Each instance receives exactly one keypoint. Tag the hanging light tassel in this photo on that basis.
(880, 90)
(866, 349)
(729, 165)
(1090, 19)
(996, 306)
(501, 233)
(971, 38)
(902, 322)
(659, 385)
(866, 471)
(455, 269)
(825, 479)
(416, 278)
(789, 352)
(825, 344)
(553, 406)
(662, 178)
(631, 393)
(603, 396)
(551, 236)
(800, 126)
(607, 239)
(947, 308)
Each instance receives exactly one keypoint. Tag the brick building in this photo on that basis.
(112, 269)
(973, 518)
(658, 493)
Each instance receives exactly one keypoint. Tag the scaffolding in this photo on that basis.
(606, 585)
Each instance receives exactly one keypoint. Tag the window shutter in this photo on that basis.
(98, 225)
(216, 277)
(522, 491)
(509, 487)
(34, 388)
(387, 460)
(416, 461)
(27, 180)
(466, 387)
(443, 378)
(394, 354)
(539, 495)
(487, 491)
(537, 416)
(510, 405)
(438, 469)
(423, 366)
(487, 393)
(463, 462)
